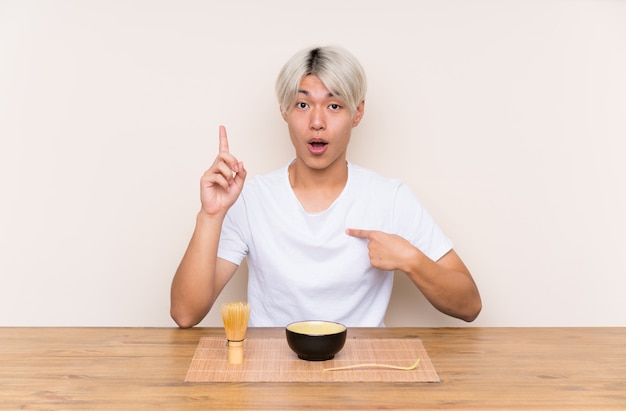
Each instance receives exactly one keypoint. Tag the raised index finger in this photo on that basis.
(223, 140)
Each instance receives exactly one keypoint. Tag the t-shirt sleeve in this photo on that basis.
(235, 230)
(414, 223)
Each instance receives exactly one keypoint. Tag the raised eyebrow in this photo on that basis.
(308, 93)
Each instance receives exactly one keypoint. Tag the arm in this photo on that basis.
(201, 275)
(446, 283)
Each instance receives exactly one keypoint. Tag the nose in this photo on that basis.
(317, 120)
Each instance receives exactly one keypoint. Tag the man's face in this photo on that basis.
(320, 125)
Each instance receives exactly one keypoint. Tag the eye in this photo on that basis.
(334, 106)
(301, 105)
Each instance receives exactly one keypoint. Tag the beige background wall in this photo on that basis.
(507, 118)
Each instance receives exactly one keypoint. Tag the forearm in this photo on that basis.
(447, 284)
(194, 287)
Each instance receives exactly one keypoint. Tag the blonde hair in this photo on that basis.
(339, 70)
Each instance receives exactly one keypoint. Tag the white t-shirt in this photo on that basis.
(303, 266)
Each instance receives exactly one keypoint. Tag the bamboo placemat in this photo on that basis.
(271, 360)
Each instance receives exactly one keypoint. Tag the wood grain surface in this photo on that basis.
(479, 368)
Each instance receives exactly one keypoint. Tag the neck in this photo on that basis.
(317, 189)
(307, 178)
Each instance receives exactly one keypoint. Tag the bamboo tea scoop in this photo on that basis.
(374, 365)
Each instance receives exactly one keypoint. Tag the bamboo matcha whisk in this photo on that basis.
(235, 317)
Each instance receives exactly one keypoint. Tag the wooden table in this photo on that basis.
(480, 368)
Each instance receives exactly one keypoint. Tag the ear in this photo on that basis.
(358, 114)
(282, 113)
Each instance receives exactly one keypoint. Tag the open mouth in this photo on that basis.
(317, 146)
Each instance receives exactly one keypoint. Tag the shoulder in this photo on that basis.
(371, 180)
(375, 188)
(261, 193)
(261, 188)
(270, 180)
